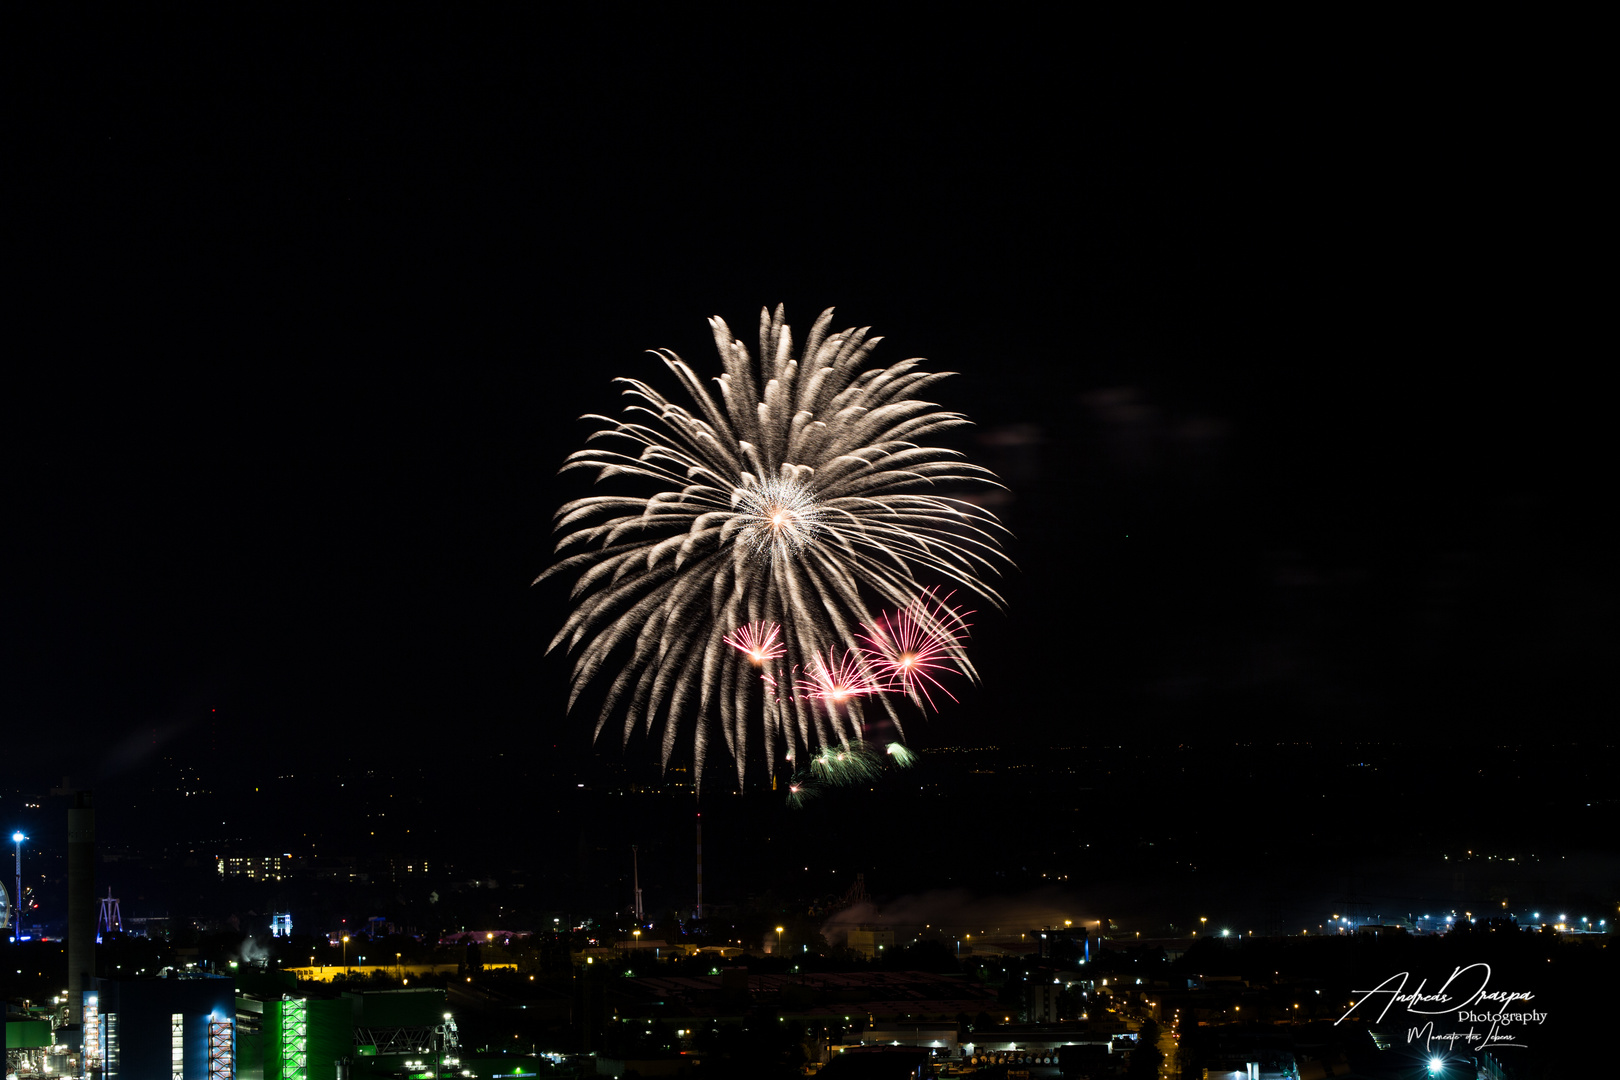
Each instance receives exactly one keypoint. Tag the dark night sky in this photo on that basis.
(1283, 350)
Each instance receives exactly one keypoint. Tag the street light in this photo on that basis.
(345, 956)
(16, 902)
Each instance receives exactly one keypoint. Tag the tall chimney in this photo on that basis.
(635, 863)
(699, 912)
(81, 900)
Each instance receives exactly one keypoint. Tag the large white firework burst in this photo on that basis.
(796, 497)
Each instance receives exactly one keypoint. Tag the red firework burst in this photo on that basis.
(760, 642)
(908, 649)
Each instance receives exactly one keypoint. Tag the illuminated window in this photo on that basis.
(177, 1046)
(92, 1027)
(110, 1055)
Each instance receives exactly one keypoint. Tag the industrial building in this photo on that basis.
(30, 1046)
(870, 941)
(184, 1028)
(1042, 999)
(198, 1027)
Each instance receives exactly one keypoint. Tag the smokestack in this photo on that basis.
(635, 863)
(81, 900)
(699, 912)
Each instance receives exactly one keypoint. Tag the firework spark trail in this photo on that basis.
(924, 638)
(799, 488)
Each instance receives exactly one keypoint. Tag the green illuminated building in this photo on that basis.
(304, 1039)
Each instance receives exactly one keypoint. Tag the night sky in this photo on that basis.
(1284, 350)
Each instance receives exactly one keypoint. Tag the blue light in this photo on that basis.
(18, 837)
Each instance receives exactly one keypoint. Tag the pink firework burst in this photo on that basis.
(835, 680)
(910, 648)
(760, 642)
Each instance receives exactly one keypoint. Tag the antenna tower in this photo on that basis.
(635, 870)
(110, 918)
